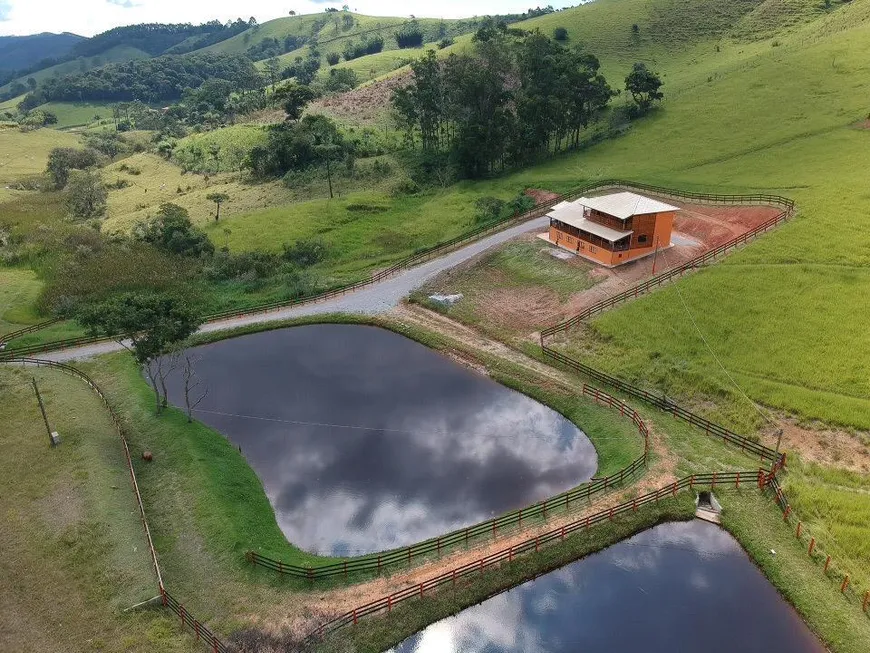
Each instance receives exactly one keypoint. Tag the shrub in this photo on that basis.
(445, 43)
(85, 194)
(410, 37)
(488, 209)
(560, 34)
(333, 58)
(404, 186)
(172, 231)
(304, 253)
(63, 159)
(340, 80)
(521, 203)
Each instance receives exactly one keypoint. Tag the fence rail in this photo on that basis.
(201, 632)
(710, 428)
(116, 421)
(419, 257)
(199, 629)
(533, 544)
(490, 529)
(848, 587)
(7, 337)
(698, 261)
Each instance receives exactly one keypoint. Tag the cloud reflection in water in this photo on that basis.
(434, 446)
(677, 587)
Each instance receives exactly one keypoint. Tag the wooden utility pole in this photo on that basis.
(51, 436)
(655, 255)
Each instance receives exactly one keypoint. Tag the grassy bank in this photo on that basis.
(202, 470)
(74, 554)
(757, 524)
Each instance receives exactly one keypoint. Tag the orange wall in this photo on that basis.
(664, 223)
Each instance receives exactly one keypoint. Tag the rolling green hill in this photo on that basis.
(19, 52)
(117, 54)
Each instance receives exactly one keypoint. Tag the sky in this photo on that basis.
(89, 17)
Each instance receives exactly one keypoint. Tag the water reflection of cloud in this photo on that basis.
(661, 605)
(441, 448)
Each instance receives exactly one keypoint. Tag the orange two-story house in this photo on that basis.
(612, 229)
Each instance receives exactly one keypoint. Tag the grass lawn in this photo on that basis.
(78, 114)
(757, 523)
(24, 155)
(74, 553)
(511, 290)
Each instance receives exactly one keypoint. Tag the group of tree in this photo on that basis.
(311, 142)
(160, 79)
(272, 47)
(371, 45)
(516, 97)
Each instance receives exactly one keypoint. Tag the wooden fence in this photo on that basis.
(693, 264)
(533, 544)
(427, 254)
(511, 522)
(201, 632)
(848, 587)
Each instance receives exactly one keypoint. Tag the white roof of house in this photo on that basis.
(572, 213)
(625, 204)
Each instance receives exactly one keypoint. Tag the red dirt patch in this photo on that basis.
(366, 104)
(540, 195)
(863, 124)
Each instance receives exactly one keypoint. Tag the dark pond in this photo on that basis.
(676, 588)
(365, 440)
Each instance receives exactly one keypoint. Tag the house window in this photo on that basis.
(642, 239)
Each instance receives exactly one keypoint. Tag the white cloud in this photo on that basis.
(88, 17)
(126, 4)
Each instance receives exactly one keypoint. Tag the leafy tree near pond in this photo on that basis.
(148, 324)
(86, 194)
(644, 85)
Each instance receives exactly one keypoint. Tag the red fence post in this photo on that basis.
(845, 584)
(786, 513)
(737, 482)
(798, 531)
(389, 603)
(354, 617)
(827, 564)
(812, 546)
(181, 614)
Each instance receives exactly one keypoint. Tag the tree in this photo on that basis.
(560, 34)
(145, 323)
(63, 159)
(172, 231)
(86, 194)
(273, 69)
(297, 97)
(191, 382)
(218, 199)
(31, 83)
(644, 85)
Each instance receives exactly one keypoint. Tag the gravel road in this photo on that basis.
(371, 300)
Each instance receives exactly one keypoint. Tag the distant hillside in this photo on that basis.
(158, 38)
(22, 52)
